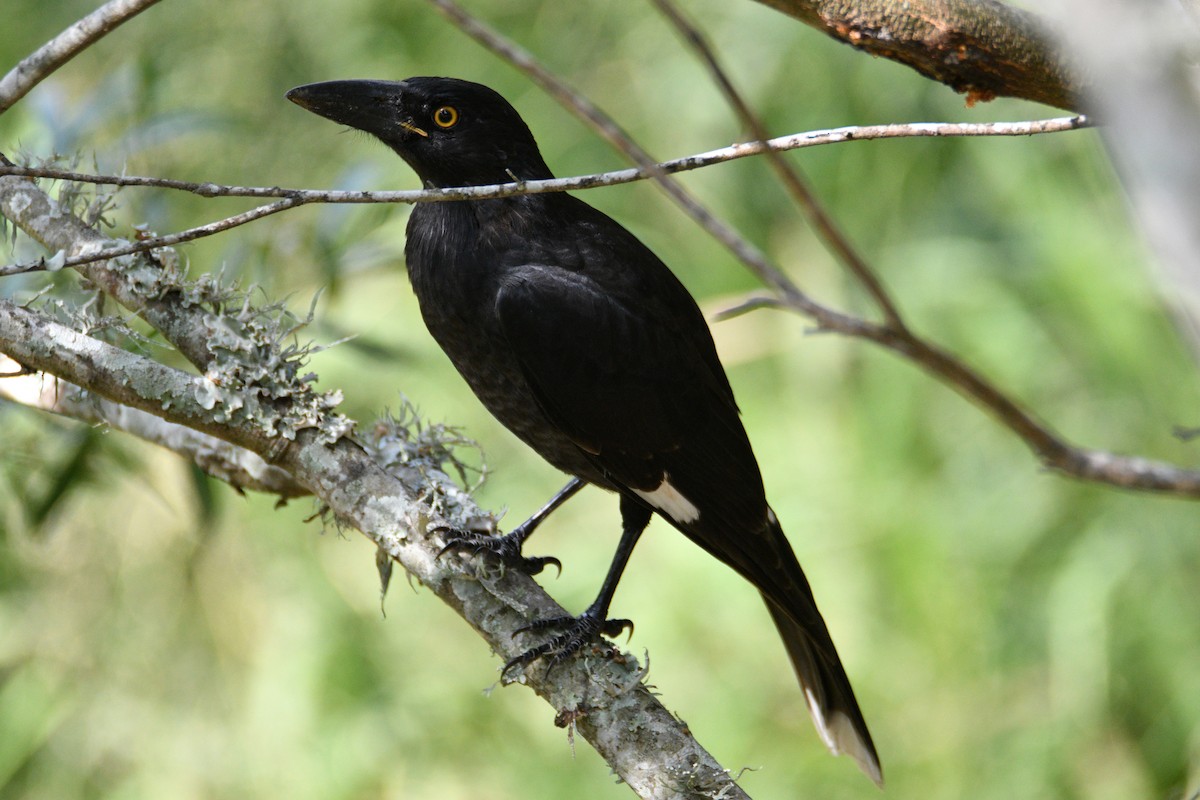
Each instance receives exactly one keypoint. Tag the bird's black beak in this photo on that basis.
(376, 107)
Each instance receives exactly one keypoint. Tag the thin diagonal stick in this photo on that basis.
(1050, 448)
(612, 133)
(790, 175)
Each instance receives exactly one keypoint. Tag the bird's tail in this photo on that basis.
(826, 687)
(828, 693)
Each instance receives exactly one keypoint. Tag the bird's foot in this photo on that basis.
(579, 632)
(505, 549)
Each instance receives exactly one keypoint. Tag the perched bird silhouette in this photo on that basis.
(583, 343)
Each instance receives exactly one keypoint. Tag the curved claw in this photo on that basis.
(538, 563)
(506, 549)
(615, 627)
(522, 660)
(580, 631)
(447, 549)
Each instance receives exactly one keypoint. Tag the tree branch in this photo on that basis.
(604, 699)
(393, 490)
(789, 175)
(29, 215)
(237, 466)
(109, 264)
(37, 342)
(1054, 452)
(33, 69)
(979, 47)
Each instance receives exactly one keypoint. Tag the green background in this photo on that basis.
(1010, 633)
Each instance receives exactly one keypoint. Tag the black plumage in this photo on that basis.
(585, 345)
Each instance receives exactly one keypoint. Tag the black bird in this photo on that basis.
(586, 346)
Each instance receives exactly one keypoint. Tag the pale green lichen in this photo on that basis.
(256, 373)
(419, 454)
(87, 316)
(91, 203)
(404, 438)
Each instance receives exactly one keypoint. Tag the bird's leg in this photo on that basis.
(593, 622)
(507, 548)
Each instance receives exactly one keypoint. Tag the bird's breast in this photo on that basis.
(455, 266)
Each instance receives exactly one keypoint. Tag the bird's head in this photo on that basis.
(452, 132)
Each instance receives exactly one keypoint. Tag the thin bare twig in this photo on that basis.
(1051, 449)
(1084, 463)
(59, 261)
(1055, 453)
(40, 265)
(794, 141)
(788, 173)
(895, 335)
(297, 197)
(34, 68)
(611, 132)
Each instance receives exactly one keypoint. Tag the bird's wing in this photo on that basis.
(619, 380)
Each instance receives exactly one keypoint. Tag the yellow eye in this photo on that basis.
(446, 117)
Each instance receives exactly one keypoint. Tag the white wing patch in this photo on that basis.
(667, 499)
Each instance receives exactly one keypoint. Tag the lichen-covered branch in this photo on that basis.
(602, 695)
(392, 489)
(395, 492)
(37, 342)
(128, 278)
(237, 466)
(983, 48)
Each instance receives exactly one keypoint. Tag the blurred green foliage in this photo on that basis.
(1010, 633)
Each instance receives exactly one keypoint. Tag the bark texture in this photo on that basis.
(982, 48)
